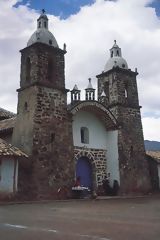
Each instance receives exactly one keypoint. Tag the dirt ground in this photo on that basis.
(107, 219)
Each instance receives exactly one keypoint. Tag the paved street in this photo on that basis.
(113, 219)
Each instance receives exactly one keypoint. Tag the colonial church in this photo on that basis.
(49, 143)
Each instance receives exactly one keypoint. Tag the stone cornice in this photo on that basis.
(43, 45)
(43, 84)
(117, 69)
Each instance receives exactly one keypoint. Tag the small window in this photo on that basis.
(126, 93)
(117, 53)
(25, 106)
(131, 151)
(112, 54)
(52, 137)
(28, 69)
(45, 24)
(126, 90)
(123, 65)
(50, 42)
(39, 24)
(84, 135)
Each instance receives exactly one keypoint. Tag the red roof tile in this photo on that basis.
(9, 150)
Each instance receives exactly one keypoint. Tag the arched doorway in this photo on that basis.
(84, 171)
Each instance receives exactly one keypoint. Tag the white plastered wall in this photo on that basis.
(99, 138)
(112, 156)
(97, 131)
(8, 173)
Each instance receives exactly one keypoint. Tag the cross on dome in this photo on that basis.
(115, 59)
(42, 34)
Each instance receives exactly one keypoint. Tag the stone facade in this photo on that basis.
(120, 87)
(121, 92)
(98, 161)
(43, 127)
(42, 64)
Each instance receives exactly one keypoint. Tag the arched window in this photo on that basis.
(39, 24)
(117, 53)
(28, 69)
(50, 70)
(45, 24)
(84, 135)
(111, 54)
(126, 93)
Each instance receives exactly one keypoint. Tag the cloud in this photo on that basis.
(151, 128)
(89, 35)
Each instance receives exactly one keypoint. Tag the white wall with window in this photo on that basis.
(84, 135)
(88, 130)
(112, 155)
(87, 127)
(8, 175)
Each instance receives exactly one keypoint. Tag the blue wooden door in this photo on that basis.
(84, 171)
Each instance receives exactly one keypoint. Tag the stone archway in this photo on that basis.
(91, 155)
(85, 153)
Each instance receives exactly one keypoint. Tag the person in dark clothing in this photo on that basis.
(106, 186)
(115, 187)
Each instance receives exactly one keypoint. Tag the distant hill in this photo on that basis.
(152, 145)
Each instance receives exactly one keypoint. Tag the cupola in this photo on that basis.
(116, 59)
(75, 94)
(90, 91)
(42, 34)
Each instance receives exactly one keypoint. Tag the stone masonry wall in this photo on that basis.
(121, 88)
(114, 85)
(98, 161)
(41, 56)
(134, 173)
(52, 154)
(44, 126)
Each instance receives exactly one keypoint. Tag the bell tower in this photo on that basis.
(43, 128)
(118, 85)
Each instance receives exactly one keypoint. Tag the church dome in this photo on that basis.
(116, 59)
(42, 34)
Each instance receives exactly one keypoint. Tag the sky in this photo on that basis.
(62, 8)
(89, 28)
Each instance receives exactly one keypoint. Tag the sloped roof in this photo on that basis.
(155, 155)
(9, 150)
(7, 124)
(4, 114)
